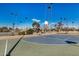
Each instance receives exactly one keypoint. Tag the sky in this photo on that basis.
(23, 14)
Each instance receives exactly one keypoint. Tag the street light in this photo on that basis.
(13, 29)
(13, 24)
(49, 11)
(26, 25)
(73, 25)
(24, 18)
(67, 29)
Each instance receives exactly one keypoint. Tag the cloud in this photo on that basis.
(36, 20)
(52, 23)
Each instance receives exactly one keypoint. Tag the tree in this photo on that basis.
(36, 26)
(5, 29)
(0, 29)
(59, 26)
(30, 31)
(17, 30)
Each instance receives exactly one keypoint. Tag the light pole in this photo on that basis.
(13, 24)
(49, 10)
(24, 18)
(13, 32)
(26, 26)
(6, 43)
(73, 26)
(67, 26)
(49, 14)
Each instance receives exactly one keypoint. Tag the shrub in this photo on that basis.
(30, 31)
(21, 33)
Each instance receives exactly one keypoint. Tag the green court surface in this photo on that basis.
(31, 49)
(26, 48)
